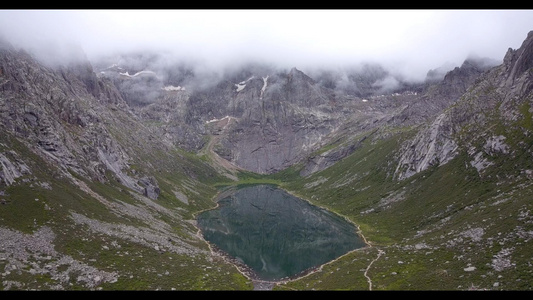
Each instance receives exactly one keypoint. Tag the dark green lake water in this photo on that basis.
(276, 234)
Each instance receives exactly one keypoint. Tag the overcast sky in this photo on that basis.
(415, 40)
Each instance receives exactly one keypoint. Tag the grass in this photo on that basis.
(140, 267)
(423, 224)
(432, 208)
(436, 206)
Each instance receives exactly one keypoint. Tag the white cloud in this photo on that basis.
(413, 40)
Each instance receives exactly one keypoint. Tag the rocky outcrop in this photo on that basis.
(285, 116)
(439, 95)
(278, 116)
(432, 146)
(63, 114)
(477, 98)
(167, 117)
(150, 186)
(36, 252)
(520, 60)
(11, 168)
(330, 157)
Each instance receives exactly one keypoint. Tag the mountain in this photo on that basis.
(91, 197)
(444, 199)
(105, 165)
(277, 117)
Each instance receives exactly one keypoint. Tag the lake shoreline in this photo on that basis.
(327, 221)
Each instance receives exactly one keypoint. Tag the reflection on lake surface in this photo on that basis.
(276, 234)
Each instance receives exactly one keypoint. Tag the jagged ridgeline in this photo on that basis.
(106, 164)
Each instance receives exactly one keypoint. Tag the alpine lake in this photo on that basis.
(275, 235)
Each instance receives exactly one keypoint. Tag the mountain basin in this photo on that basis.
(274, 234)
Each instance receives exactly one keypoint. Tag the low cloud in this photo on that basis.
(408, 42)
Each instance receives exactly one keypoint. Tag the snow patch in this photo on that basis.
(138, 73)
(241, 85)
(265, 79)
(216, 120)
(173, 88)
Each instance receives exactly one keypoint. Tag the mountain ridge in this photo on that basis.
(102, 174)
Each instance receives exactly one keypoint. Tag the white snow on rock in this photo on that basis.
(265, 79)
(216, 120)
(241, 85)
(173, 88)
(138, 73)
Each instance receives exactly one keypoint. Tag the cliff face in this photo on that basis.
(277, 117)
(479, 103)
(519, 61)
(66, 115)
(283, 117)
(271, 119)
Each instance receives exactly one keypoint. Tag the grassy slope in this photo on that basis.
(29, 206)
(432, 227)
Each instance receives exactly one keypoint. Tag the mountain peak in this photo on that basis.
(299, 75)
(520, 60)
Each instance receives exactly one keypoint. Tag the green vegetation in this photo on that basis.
(43, 198)
(449, 227)
(431, 227)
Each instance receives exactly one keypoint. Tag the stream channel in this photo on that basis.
(275, 235)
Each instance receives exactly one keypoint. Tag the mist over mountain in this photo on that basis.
(109, 151)
(406, 43)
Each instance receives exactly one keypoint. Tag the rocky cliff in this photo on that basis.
(442, 185)
(474, 102)
(66, 115)
(277, 117)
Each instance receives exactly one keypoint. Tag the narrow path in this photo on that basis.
(380, 252)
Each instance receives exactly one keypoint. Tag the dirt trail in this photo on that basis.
(380, 252)
(227, 168)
